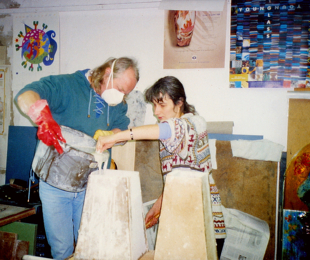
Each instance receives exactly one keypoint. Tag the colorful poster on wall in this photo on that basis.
(35, 54)
(270, 44)
(195, 39)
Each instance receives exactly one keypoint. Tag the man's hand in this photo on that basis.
(49, 132)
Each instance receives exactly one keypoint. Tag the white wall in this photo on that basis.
(87, 38)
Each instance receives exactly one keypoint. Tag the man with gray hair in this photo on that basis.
(86, 101)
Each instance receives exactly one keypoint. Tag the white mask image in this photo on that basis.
(112, 96)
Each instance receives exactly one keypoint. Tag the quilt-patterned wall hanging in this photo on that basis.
(270, 44)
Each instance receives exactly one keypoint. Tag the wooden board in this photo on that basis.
(249, 186)
(298, 134)
(7, 245)
(147, 163)
(9, 213)
(143, 157)
(148, 255)
(21, 248)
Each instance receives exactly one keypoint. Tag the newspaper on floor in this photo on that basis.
(151, 233)
(247, 236)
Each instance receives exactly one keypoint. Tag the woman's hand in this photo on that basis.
(105, 142)
(152, 216)
(146, 132)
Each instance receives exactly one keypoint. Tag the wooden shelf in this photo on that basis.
(9, 214)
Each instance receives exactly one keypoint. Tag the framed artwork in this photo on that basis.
(269, 44)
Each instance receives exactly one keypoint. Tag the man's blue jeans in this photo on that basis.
(62, 211)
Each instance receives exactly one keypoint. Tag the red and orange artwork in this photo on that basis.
(296, 181)
(184, 22)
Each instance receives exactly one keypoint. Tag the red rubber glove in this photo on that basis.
(49, 131)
